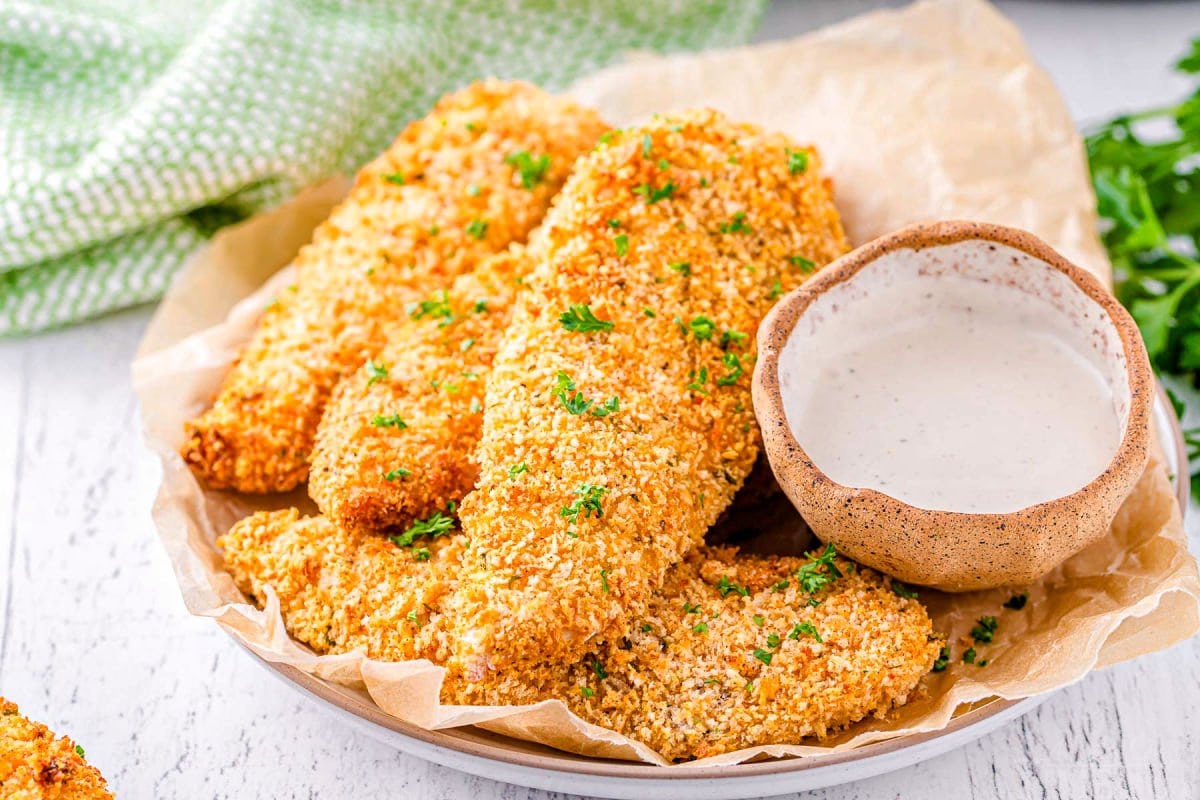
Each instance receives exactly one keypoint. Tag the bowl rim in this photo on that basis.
(777, 328)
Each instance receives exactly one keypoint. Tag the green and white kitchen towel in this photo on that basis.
(131, 130)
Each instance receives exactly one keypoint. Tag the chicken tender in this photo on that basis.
(618, 420)
(37, 765)
(396, 447)
(734, 653)
(456, 187)
(339, 589)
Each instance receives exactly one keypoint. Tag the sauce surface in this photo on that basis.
(950, 394)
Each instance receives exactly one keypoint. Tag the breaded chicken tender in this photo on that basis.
(733, 653)
(339, 589)
(37, 765)
(458, 186)
(394, 448)
(618, 421)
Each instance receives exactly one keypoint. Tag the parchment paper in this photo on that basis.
(935, 111)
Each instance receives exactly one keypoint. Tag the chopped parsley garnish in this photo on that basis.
(432, 527)
(698, 380)
(969, 656)
(737, 224)
(396, 474)
(646, 627)
(599, 669)
(473, 190)
(942, 660)
(797, 161)
(820, 571)
(437, 307)
(732, 337)
(1017, 601)
(532, 170)
(759, 620)
(421, 553)
(621, 242)
(652, 194)
(396, 178)
(689, 608)
(517, 469)
(466, 344)
(588, 503)
(776, 290)
(649, 312)
(614, 223)
(725, 586)
(764, 656)
(803, 263)
(377, 371)
(682, 267)
(985, 630)
(702, 328)
(734, 364)
(773, 640)
(903, 590)
(700, 627)
(805, 629)
(79, 751)
(477, 229)
(480, 306)
(580, 319)
(586, 691)
(604, 580)
(574, 402)
(476, 406)
(783, 584)
(389, 421)
(646, 146)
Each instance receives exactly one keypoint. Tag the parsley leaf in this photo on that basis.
(985, 629)
(942, 660)
(733, 363)
(737, 224)
(702, 328)
(579, 318)
(433, 526)
(764, 656)
(396, 474)
(805, 629)
(377, 371)
(390, 421)
(652, 194)
(532, 170)
(820, 571)
(726, 586)
(477, 229)
(902, 590)
(588, 503)
(621, 243)
(1017, 601)
(436, 307)
(797, 161)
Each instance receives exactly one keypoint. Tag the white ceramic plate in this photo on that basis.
(481, 753)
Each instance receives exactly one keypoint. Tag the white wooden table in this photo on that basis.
(95, 640)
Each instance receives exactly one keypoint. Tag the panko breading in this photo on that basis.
(731, 654)
(340, 589)
(397, 448)
(37, 765)
(607, 452)
(456, 187)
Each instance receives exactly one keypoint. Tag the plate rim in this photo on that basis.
(371, 716)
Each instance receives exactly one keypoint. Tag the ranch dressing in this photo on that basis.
(951, 394)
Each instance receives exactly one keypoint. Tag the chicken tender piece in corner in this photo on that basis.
(456, 187)
(339, 589)
(37, 765)
(398, 444)
(618, 420)
(731, 654)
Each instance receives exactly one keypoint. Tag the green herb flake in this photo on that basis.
(733, 365)
(79, 750)
(820, 571)
(1017, 601)
(802, 263)
(477, 229)
(943, 660)
(579, 318)
(702, 328)
(376, 371)
(649, 312)
(395, 177)
(646, 143)
(646, 627)
(586, 691)
(598, 668)
(682, 267)
(783, 584)
(985, 630)
(389, 421)
(903, 590)
(531, 169)
(396, 474)
(797, 161)
(621, 243)
(726, 587)
(737, 224)
(700, 627)
(517, 469)
(776, 290)
(433, 526)
(652, 194)
(733, 337)
(764, 656)
(689, 608)
(466, 344)
(436, 307)
(969, 656)
(473, 190)
(759, 620)
(805, 629)
(588, 503)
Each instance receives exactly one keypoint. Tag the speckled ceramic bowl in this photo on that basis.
(953, 550)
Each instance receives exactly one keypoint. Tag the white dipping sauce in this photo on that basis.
(952, 393)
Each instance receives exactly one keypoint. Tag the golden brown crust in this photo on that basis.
(684, 678)
(677, 232)
(388, 244)
(37, 765)
(691, 677)
(393, 450)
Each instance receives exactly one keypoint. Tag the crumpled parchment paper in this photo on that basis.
(931, 112)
